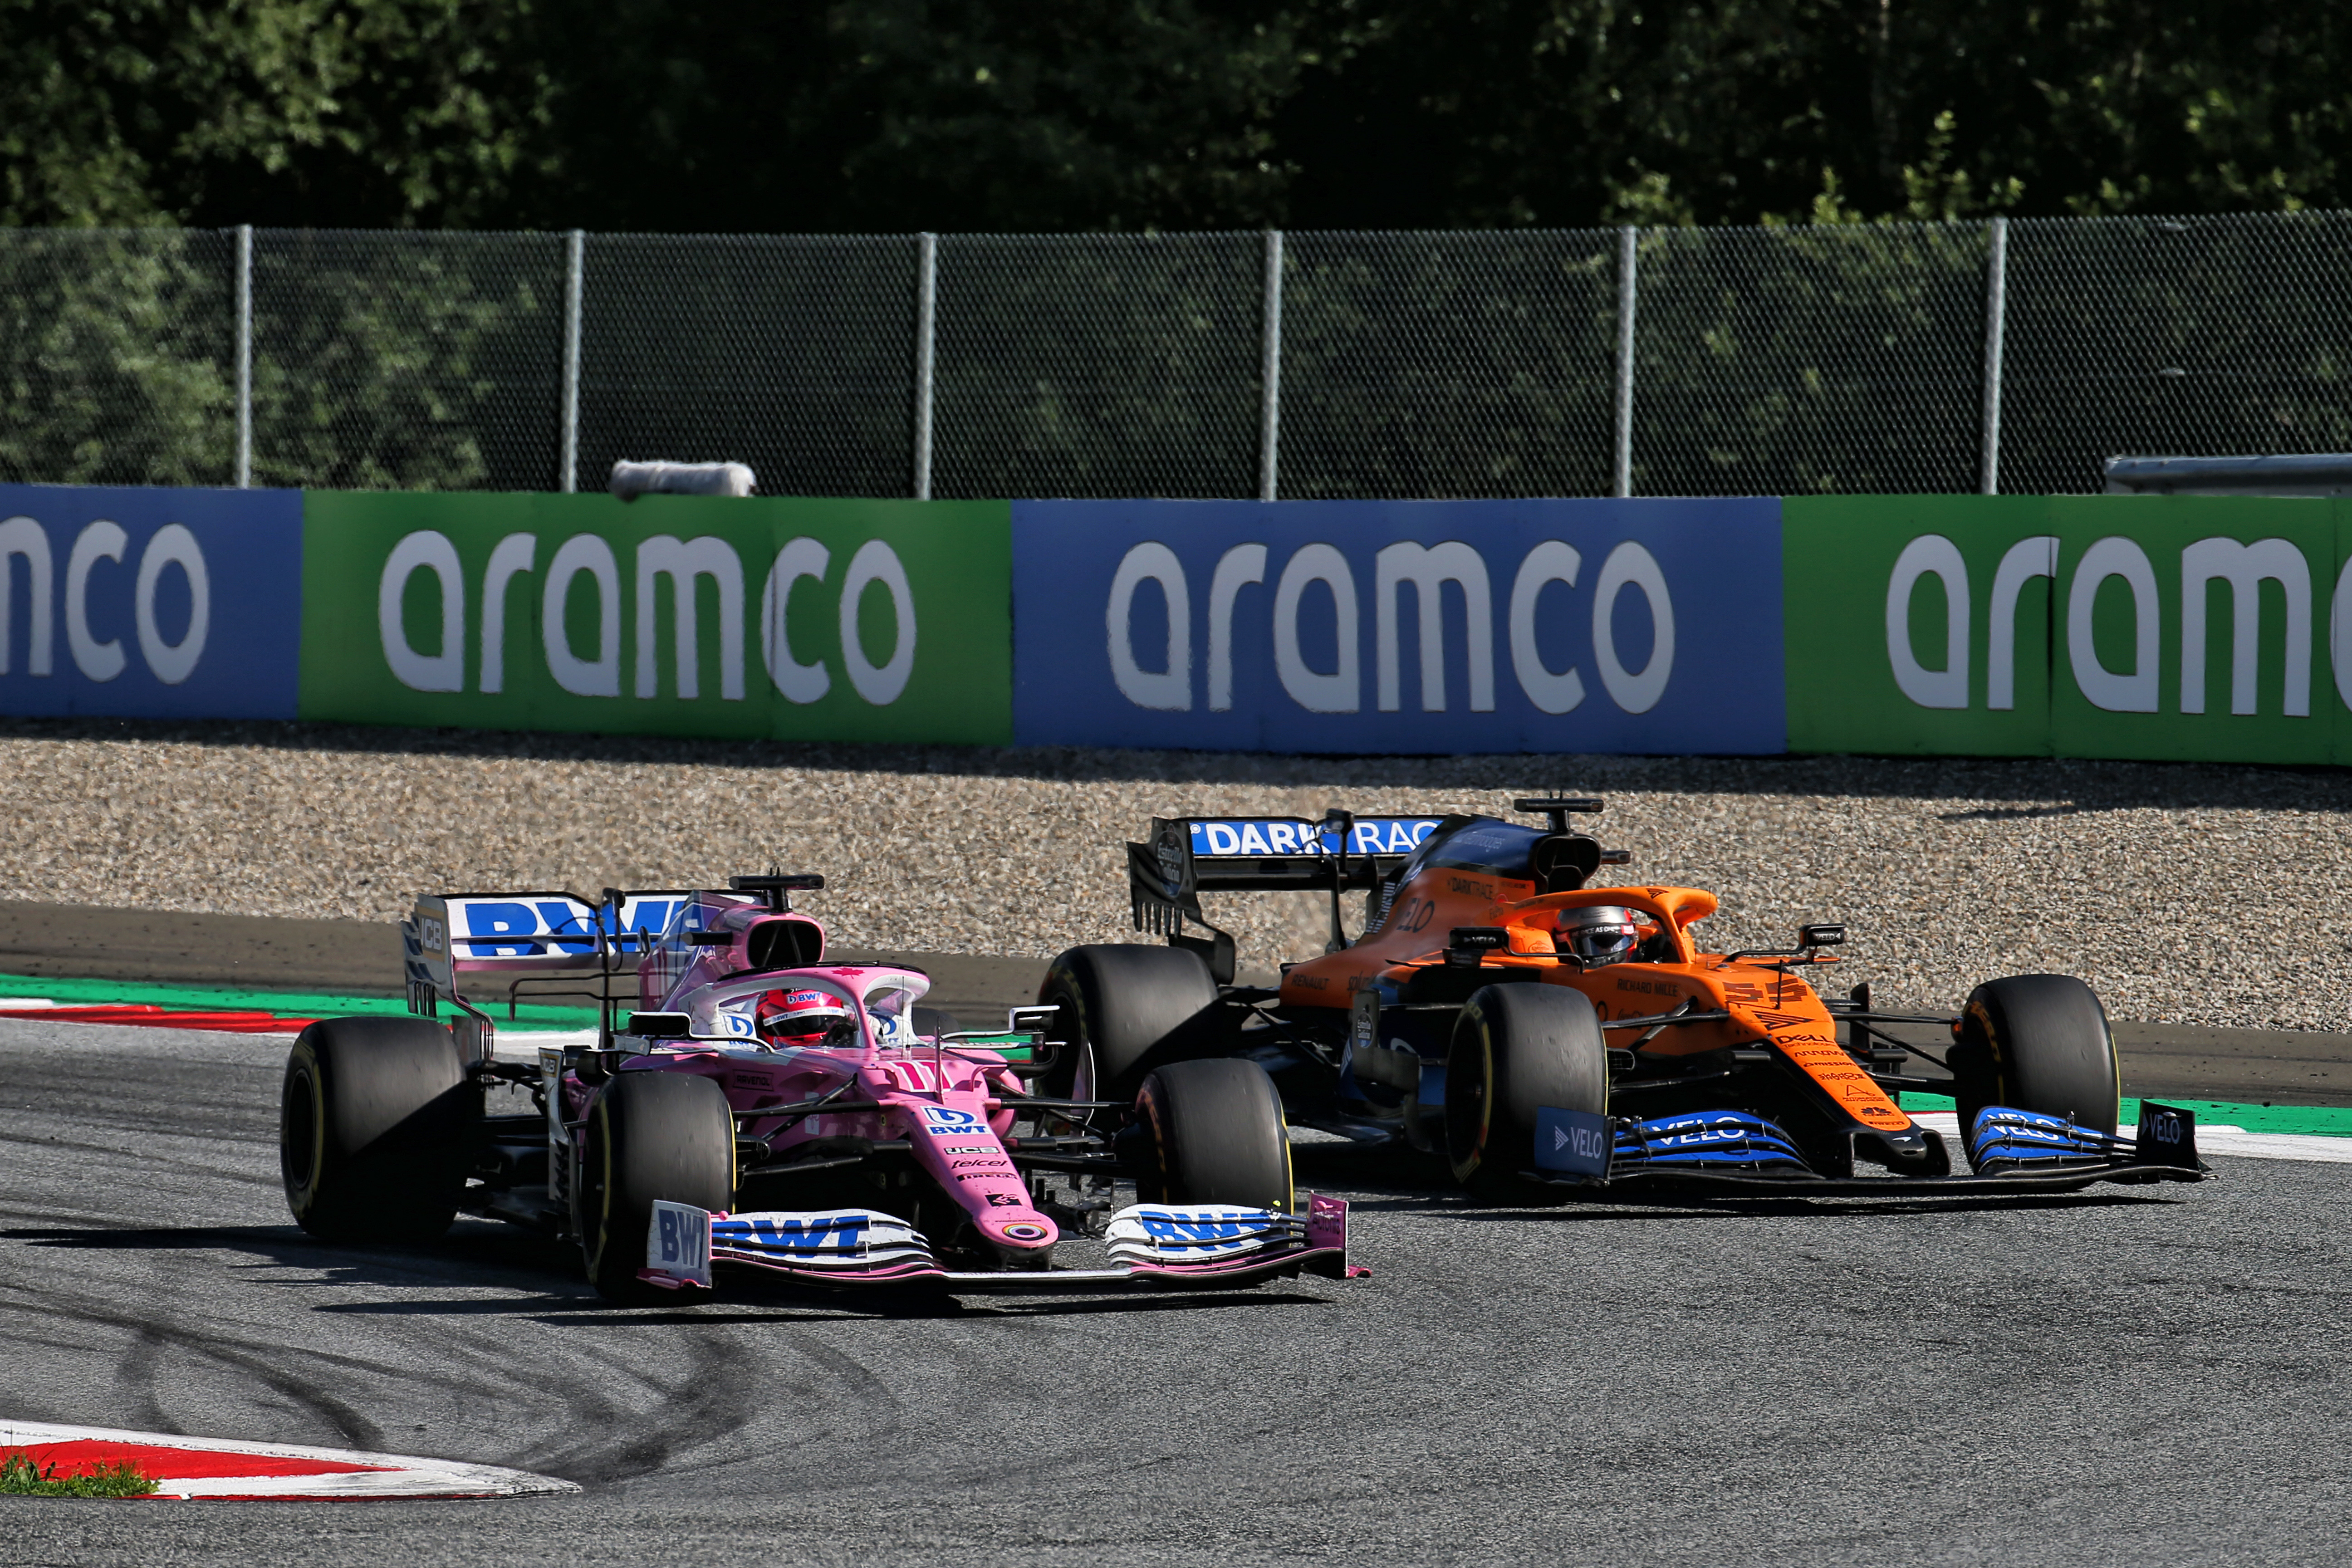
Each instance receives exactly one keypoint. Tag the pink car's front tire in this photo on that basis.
(666, 1135)
(1214, 1133)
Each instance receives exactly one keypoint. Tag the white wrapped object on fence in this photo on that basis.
(631, 480)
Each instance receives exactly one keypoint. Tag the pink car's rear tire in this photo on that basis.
(377, 1122)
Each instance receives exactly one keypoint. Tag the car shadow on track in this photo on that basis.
(535, 1270)
(814, 1309)
(1402, 1181)
(748, 1302)
(1621, 1209)
(468, 1255)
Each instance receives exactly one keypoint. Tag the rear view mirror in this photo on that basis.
(661, 1025)
(1820, 936)
(1467, 946)
(1562, 861)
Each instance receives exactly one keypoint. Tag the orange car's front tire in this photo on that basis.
(1516, 1050)
(2038, 1043)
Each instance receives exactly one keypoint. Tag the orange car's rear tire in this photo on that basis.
(2038, 1043)
(1518, 1050)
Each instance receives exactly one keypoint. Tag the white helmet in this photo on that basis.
(1598, 934)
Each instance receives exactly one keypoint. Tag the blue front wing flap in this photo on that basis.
(2001, 1141)
(1731, 1142)
(2004, 1139)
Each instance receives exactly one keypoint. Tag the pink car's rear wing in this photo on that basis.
(478, 950)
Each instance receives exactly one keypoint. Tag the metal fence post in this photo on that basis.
(245, 356)
(1269, 428)
(1627, 250)
(574, 281)
(927, 322)
(1995, 323)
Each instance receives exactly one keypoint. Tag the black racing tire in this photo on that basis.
(1516, 1049)
(1118, 1000)
(933, 1022)
(377, 1123)
(2038, 1043)
(1212, 1132)
(651, 1134)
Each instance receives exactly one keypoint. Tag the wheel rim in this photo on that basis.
(596, 1189)
(1075, 1053)
(1469, 1100)
(301, 1132)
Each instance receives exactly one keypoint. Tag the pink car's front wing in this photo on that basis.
(858, 1248)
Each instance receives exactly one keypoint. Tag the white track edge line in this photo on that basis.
(403, 1475)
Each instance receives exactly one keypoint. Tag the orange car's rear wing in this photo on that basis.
(1188, 856)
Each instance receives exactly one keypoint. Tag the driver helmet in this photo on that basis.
(800, 1017)
(1598, 934)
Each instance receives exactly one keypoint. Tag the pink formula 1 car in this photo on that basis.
(763, 1110)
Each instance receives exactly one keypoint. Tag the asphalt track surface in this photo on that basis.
(2138, 1375)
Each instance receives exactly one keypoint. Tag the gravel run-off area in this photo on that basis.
(2185, 893)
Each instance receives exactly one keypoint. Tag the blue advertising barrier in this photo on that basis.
(1633, 626)
(169, 603)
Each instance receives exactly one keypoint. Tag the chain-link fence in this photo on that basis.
(1898, 357)
(2219, 336)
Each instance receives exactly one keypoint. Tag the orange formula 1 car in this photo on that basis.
(1542, 1034)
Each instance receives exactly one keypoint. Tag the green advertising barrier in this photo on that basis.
(792, 619)
(2154, 627)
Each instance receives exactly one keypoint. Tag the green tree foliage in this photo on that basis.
(1567, 112)
(297, 112)
(1125, 114)
(903, 114)
(114, 357)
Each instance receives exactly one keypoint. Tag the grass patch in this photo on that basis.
(19, 1477)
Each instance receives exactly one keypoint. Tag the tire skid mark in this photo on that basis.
(396, 1372)
(874, 1414)
(134, 1374)
(711, 1399)
(261, 1360)
(473, 1364)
